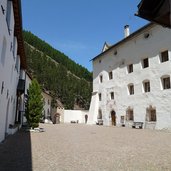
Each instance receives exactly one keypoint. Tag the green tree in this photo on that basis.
(34, 104)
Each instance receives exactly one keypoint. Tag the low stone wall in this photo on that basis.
(77, 116)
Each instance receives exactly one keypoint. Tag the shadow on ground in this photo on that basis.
(15, 153)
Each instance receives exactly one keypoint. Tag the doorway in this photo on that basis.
(113, 118)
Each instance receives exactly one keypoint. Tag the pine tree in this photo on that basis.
(34, 104)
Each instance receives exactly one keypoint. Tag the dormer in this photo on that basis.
(105, 47)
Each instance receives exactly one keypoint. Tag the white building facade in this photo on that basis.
(131, 80)
(12, 65)
(77, 116)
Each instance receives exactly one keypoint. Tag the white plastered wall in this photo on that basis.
(132, 52)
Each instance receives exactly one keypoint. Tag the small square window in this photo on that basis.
(145, 63)
(164, 56)
(130, 68)
(112, 95)
(110, 75)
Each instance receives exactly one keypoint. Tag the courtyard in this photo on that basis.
(79, 147)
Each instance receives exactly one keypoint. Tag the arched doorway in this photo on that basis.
(113, 117)
(151, 117)
(56, 118)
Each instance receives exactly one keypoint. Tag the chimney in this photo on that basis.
(126, 30)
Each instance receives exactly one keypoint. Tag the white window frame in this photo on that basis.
(165, 85)
(131, 89)
(146, 89)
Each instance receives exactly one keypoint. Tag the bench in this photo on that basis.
(99, 122)
(137, 125)
(75, 121)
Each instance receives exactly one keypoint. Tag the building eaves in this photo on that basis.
(125, 39)
(18, 31)
(29, 75)
(47, 93)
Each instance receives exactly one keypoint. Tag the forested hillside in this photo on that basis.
(67, 81)
(59, 57)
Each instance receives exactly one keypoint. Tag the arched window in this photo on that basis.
(165, 81)
(151, 114)
(129, 114)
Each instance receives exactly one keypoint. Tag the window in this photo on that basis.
(3, 10)
(100, 97)
(112, 95)
(146, 86)
(131, 89)
(130, 68)
(130, 114)
(151, 115)
(110, 75)
(165, 82)
(3, 52)
(101, 78)
(8, 14)
(145, 63)
(164, 56)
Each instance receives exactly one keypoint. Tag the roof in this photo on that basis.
(47, 92)
(131, 36)
(18, 31)
(29, 75)
(157, 11)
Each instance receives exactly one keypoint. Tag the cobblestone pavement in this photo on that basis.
(75, 147)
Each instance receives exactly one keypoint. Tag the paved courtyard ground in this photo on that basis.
(75, 147)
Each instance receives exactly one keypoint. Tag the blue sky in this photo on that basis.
(79, 28)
